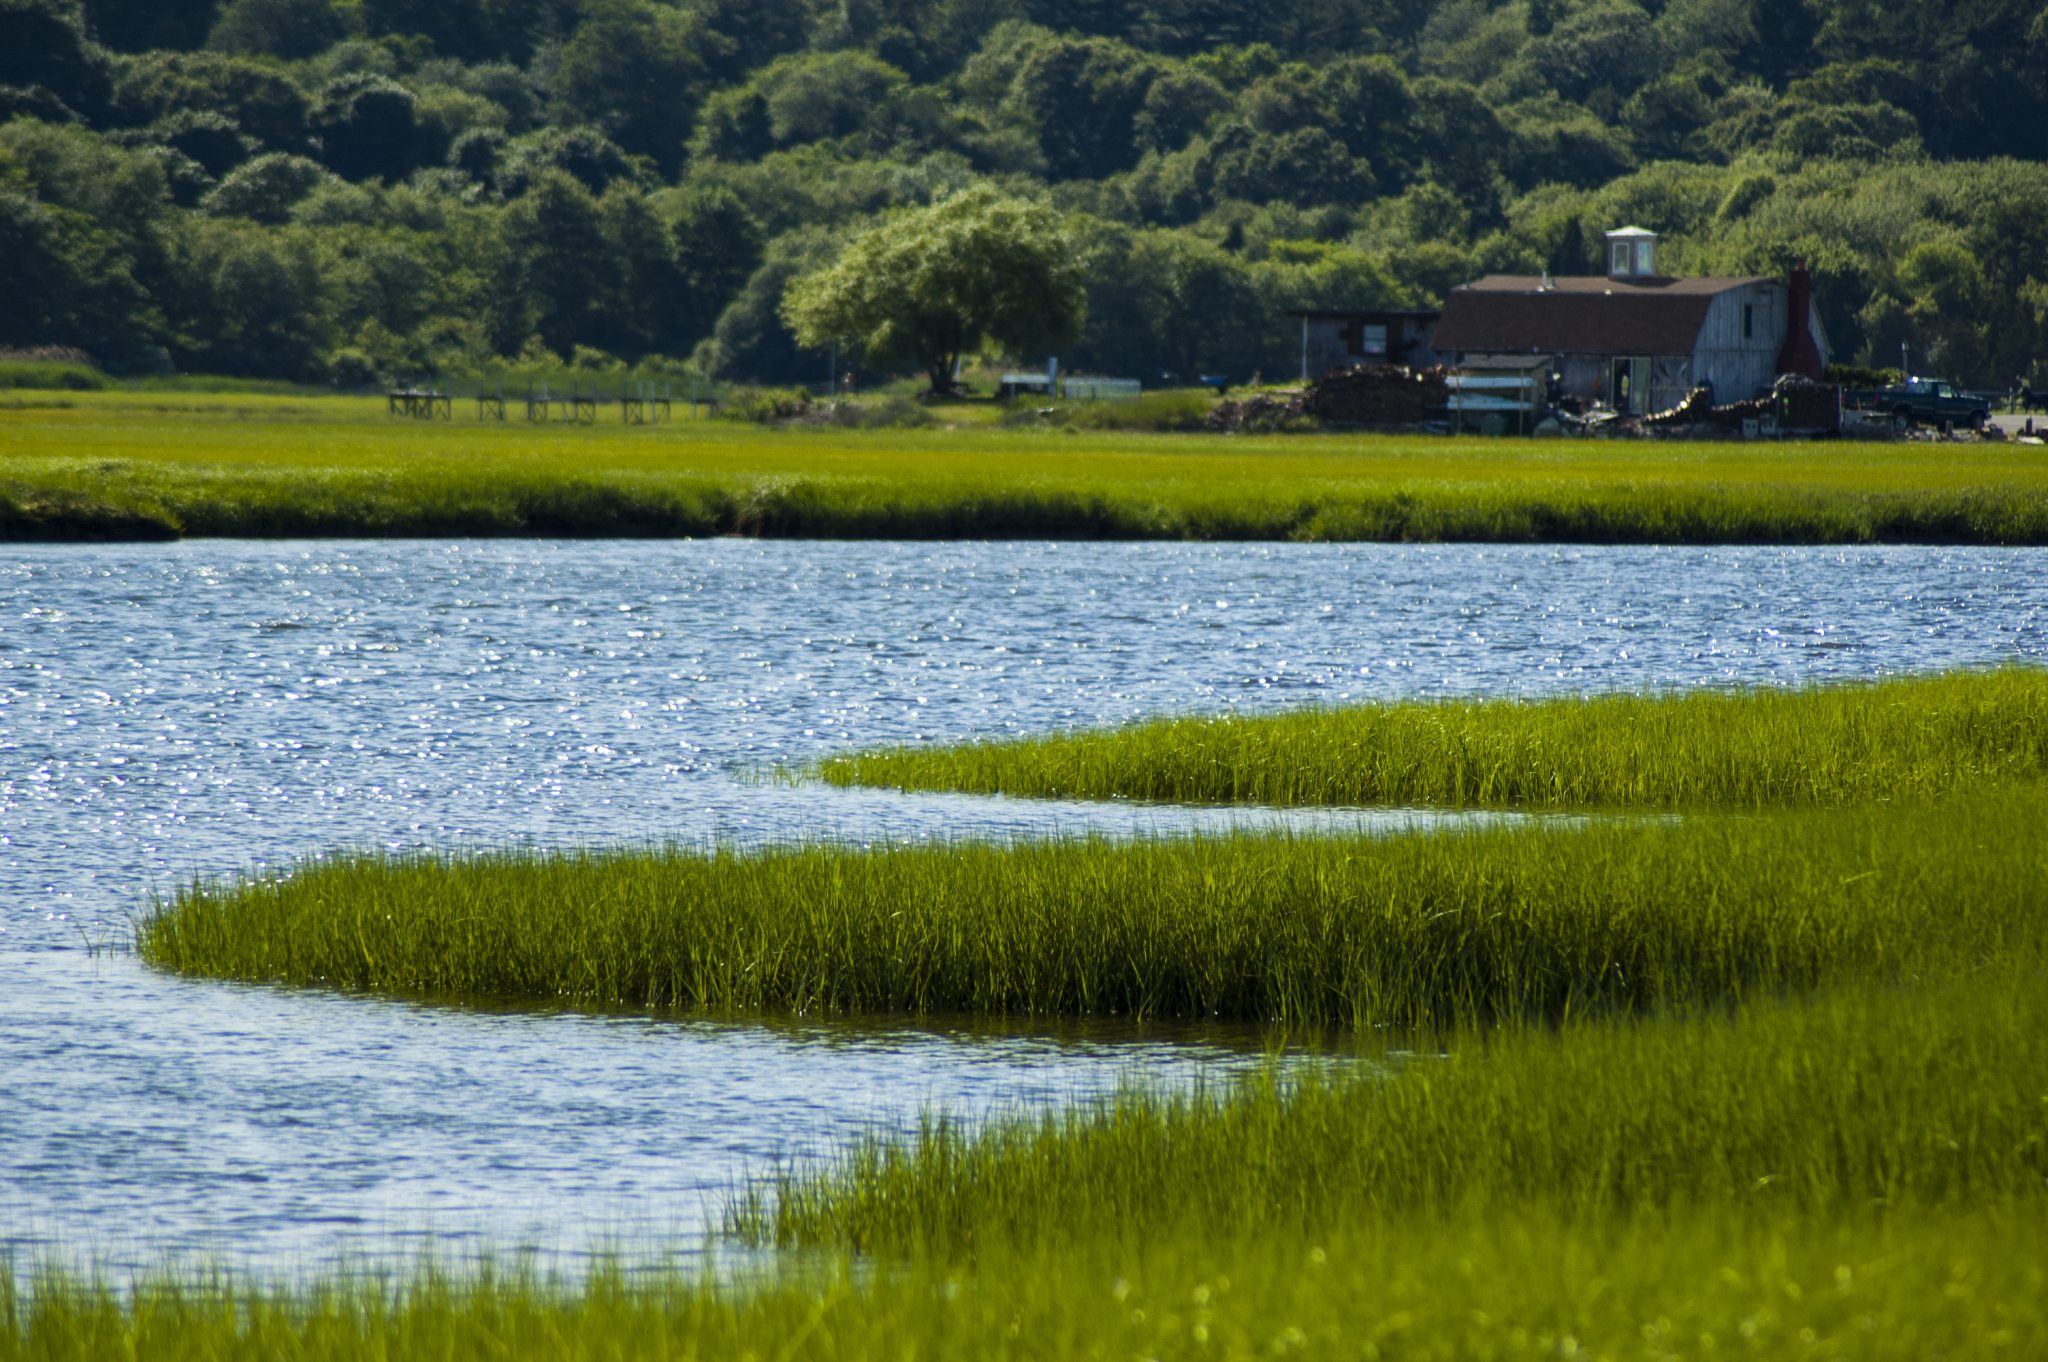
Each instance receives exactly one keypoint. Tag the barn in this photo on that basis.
(1635, 340)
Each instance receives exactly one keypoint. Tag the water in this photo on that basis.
(205, 708)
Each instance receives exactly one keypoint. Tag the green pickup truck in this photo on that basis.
(1923, 402)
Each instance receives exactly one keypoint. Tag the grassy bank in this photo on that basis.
(1883, 1287)
(1895, 739)
(1509, 922)
(1905, 1286)
(142, 465)
(1792, 1110)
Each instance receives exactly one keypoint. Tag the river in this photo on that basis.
(211, 708)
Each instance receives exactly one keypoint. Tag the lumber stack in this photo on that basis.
(1377, 395)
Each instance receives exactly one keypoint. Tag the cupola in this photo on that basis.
(1631, 254)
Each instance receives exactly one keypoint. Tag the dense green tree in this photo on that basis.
(1366, 147)
(263, 302)
(639, 288)
(582, 152)
(1368, 105)
(66, 282)
(633, 70)
(139, 25)
(1200, 307)
(751, 341)
(267, 188)
(1179, 106)
(555, 241)
(212, 140)
(43, 46)
(716, 247)
(752, 33)
(1083, 97)
(366, 128)
(278, 28)
(1305, 166)
(257, 97)
(930, 284)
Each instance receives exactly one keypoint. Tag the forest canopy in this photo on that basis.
(332, 190)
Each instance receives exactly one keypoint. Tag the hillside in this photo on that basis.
(330, 190)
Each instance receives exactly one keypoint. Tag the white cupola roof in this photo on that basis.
(1631, 253)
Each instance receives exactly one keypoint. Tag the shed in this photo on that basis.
(1339, 338)
(1637, 340)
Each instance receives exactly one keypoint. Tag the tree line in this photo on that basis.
(337, 190)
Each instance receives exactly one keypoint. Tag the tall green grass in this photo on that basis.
(1902, 1285)
(1862, 1098)
(238, 465)
(1900, 739)
(51, 376)
(1516, 922)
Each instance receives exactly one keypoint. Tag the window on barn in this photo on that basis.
(1749, 321)
(1372, 340)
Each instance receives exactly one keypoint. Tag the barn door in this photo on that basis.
(1629, 390)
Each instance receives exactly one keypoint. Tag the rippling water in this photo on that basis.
(207, 707)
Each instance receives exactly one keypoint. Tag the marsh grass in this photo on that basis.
(1900, 739)
(1904, 1285)
(1504, 923)
(194, 463)
(1860, 1098)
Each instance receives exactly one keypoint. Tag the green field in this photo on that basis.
(156, 465)
(1901, 738)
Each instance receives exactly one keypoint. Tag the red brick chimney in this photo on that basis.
(1800, 355)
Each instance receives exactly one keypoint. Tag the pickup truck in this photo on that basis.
(1923, 401)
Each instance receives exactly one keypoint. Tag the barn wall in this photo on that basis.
(1585, 377)
(1408, 342)
(1327, 349)
(1591, 378)
(1736, 366)
(1671, 378)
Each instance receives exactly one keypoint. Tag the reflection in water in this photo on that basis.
(204, 708)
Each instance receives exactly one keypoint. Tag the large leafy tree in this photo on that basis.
(632, 69)
(929, 284)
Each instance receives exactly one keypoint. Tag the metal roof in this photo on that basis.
(1580, 314)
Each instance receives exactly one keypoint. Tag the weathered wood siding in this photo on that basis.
(1739, 363)
(1591, 378)
(1584, 376)
(1329, 344)
(1328, 347)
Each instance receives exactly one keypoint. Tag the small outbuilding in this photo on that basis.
(1334, 339)
(1636, 340)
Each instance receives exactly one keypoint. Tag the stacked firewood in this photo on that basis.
(1696, 409)
(1377, 395)
(1366, 395)
(1798, 404)
(1259, 412)
(1806, 405)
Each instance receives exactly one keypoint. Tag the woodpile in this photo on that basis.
(1258, 413)
(1377, 395)
(1807, 405)
(1796, 403)
(1366, 395)
(1696, 409)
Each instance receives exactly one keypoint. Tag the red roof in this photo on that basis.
(1600, 316)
